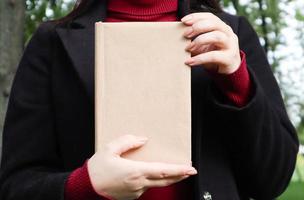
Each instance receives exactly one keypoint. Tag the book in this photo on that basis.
(143, 88)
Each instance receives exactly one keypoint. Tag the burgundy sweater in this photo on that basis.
(236, 87)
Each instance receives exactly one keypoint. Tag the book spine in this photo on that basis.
(99, 66)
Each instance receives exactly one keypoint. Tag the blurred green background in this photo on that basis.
(279, 23)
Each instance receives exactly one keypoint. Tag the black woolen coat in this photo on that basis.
(240, 153)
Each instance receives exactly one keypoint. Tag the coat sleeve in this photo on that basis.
(261, 140)
(31, 166)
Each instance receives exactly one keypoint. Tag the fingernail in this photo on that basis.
(191, 172)
(186, 18)
(188, 32)
(190, 61)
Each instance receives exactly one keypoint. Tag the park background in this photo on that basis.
(279, 23)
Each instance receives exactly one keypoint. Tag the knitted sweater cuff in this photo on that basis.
(79, 186)
(236, 86)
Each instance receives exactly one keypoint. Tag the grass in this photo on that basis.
(295, 191)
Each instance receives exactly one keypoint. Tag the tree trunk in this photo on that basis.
(12, 18)
(264, 26)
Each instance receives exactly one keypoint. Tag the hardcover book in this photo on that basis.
(143, 87)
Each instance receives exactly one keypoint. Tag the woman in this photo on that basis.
(244, 145)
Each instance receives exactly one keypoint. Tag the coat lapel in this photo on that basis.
(78, 40)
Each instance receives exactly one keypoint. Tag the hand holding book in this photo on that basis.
(115, 177)
(215, 45)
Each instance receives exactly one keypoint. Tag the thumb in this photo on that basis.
(126, 143)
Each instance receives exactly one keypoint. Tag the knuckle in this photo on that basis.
(229, 29)
(195, 26)
(209, 14)
(199, 25)
(209, 24)
(235, 37)
(163, 175)
(217, 37)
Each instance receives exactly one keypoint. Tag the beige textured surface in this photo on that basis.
(142, 87)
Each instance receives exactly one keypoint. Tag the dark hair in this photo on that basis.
(81, 6)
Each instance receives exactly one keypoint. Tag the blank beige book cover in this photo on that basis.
(143, 87)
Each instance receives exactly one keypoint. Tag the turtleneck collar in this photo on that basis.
(142, 10)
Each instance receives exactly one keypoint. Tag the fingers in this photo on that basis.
(126, 143)
(214, 46)
(164, 182)
(162, 170)
(215, 38)
(218, 57)
(197, 16)
(204, 22)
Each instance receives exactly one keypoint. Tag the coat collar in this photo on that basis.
(78, 40)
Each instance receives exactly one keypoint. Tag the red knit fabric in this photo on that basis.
(79, 187)
(236, 87)
(142, 10)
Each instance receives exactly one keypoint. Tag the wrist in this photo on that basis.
(95, 178)
(79, 186)
(237, 86)
(233, 67)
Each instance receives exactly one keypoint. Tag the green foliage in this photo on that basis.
(300, 129)
(299, 15)
(42, 10)
(295, 192)
(266, 17)
(295, 189)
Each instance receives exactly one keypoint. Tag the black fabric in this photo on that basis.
(240, 153)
